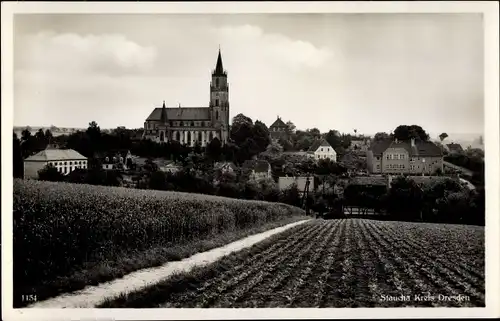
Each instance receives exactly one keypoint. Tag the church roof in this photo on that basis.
(278, 123)
(219, 69)
(181, 113)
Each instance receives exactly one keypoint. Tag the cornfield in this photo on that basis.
(60, 228)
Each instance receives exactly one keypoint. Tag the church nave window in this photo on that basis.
(217, 114)
(217, 102)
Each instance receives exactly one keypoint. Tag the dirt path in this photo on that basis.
(93, 295)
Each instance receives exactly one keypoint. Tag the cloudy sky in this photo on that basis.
(371, 72)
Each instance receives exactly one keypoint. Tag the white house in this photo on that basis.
(323, 150)
(65, 160)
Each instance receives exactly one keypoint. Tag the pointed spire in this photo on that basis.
(163, 117)
(219, 69)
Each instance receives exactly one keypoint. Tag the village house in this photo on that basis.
(400, 157)
(225, 167)
(323, 150)
(64, 160)
(361, 144)
(258, 169)
(453, 148)
(121, 160)
(278, 130)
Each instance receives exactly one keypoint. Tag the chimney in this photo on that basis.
(412, 142)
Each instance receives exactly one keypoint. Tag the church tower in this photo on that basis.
(219, 100)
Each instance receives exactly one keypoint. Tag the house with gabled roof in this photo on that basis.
(118, 160)
(257, 169)
(278, 130)
(321, 149)
(402, 157)
(64, 160)
(454, 148)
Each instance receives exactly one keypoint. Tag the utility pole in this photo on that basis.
(304, 197)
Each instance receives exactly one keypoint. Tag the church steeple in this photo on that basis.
(219, 69)
(163, 117)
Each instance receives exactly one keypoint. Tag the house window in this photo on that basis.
(321, 149)
(378, 157)
(378, 166)
(402, 156)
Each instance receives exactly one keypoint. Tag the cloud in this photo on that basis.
(69, 53)
(273, 47)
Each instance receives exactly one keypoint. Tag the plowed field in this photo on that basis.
(337, 263)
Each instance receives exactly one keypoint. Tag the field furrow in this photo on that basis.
(319, 289)
(453, 263)
(339, 263)
(240, 291)
(230, 266)
(339, 292)
(258, 295)
(449, 282)
(378, 283)
(395, 274)
(290, 294)
(232, 272)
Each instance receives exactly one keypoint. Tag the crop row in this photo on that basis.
(62, 229)
(338, 263)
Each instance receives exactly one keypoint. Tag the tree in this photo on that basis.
(94, 134)
(18, 163)
(405, 133)
(50, 173)
(333, 138)
(158, 180)
(48, 136)
(290, 128)
(260, 134)
(381, 136)
(214, 149)
(443, 136)
(274, 149)
(405, 198)
(314, 132)
(26, 134)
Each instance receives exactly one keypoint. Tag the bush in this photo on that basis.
(60, 228)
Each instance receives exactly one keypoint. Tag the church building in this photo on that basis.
(189, 125)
